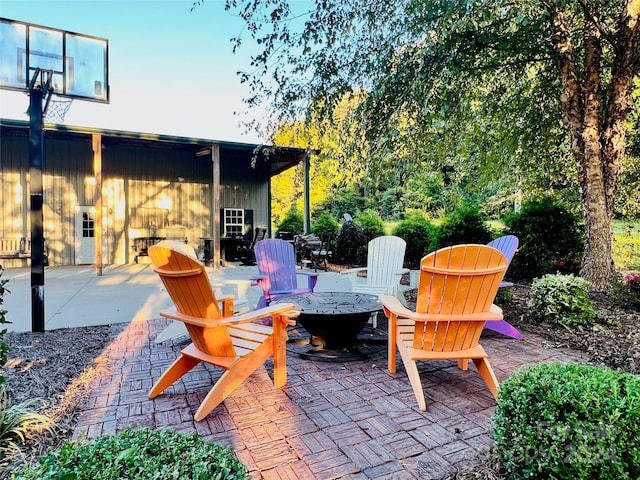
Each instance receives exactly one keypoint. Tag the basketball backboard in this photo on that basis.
(79, 62)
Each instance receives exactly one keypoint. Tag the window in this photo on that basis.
(88, 220)
(233, 222)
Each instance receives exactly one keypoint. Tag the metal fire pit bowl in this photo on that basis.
(333, 319)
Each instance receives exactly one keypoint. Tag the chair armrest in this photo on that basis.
(312, 278)
(393, 305)
(402, 271)
(353, 271)
(284, 309)
(308, 274)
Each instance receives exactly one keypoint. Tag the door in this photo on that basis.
(85, 235)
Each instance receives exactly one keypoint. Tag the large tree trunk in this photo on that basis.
(597, 143)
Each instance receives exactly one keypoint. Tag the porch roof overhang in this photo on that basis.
(278, 158)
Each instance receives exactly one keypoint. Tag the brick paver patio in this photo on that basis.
(349, 420)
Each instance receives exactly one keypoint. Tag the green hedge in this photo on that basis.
(569, 421)
(139, 454)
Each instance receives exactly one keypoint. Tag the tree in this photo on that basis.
(421, 68)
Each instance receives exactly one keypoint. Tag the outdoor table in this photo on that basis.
(333, 319)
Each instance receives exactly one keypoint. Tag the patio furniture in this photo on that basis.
(277, 268)
(384, 270)
(245, 251)
(455, 295)
(333, 319)
(240, 305)
(508, 245)
(231, 342)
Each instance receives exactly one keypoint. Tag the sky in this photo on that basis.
(171, 70)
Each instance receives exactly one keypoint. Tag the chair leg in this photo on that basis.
(231, 379)
(486, 372)
(391, 345)
(177, 369)
(374, 319)
(411, 368)
(279, 356)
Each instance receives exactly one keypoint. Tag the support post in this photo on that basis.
(307, 201)
(36, 168)
(215, 206)
(96, 141)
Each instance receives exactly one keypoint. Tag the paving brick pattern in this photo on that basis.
(349, 420)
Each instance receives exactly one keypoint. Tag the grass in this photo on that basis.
(626, 244)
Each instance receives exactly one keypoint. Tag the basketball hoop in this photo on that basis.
(57, 109)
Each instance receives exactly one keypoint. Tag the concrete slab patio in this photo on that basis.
(342, 420)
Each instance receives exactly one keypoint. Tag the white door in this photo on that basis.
(85, 235)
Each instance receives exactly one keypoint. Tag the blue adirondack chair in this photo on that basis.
(278, 275)
(508, 245)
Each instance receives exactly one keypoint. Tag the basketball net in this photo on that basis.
(57, 109)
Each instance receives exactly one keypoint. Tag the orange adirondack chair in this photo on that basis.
(232, 343)
(455, 297)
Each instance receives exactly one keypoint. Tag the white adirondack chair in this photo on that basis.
(384, 270)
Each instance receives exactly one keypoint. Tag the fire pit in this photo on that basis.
(333, 319)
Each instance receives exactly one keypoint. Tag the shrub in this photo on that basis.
(569, 421)
(349, 240)
(371, 224)
(626, 291)
(561, 299)
(139, 454)
(292, 222)
(346, 201)
(418, 233)
(551, 239)
(464, 225)
(325, 226)
(17, 421)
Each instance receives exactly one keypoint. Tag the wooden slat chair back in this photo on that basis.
(384, 270)
(234, 343)
(385, 257)
(455, 297)
(277, 270)
(188, 285)
(508, 246)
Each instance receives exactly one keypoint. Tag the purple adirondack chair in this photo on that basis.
(508, 245)
(277, 267)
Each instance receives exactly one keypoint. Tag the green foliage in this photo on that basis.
(418, 233)
(293, 222)
(346, 201)
(568, 421)
(551, 239)
(349, 241)
(4, 348)
(464, 225)
(139, 454)
(325, 226)
(371, 224)
(17, 421)
(625, 291)
(391, 203)
(563, 299)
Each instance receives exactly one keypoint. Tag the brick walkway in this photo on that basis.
(350, 420)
